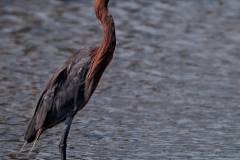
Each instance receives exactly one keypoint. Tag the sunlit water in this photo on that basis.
(171, 91)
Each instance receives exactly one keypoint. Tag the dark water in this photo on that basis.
(171, 91)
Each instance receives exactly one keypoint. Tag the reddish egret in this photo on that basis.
(72, 85)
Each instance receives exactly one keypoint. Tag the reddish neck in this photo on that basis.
(103, 55)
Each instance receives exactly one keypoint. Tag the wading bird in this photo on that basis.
(72, 85)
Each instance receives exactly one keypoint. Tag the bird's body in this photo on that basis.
(63, 95)
(72, 85)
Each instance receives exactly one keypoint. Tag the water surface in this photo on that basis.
(171, 91)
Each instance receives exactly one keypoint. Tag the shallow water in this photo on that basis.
(171, 91)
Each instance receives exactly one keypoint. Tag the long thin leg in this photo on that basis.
(37, 136)
(22, 148)
(63, 140)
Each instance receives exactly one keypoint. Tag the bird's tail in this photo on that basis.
(31, 130)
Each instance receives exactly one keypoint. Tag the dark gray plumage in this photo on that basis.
(63, 95)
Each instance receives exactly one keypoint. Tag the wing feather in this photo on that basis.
(63, 94)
